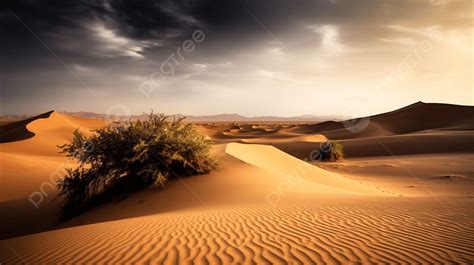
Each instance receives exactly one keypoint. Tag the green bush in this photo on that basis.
(331, 151)
(128, 156)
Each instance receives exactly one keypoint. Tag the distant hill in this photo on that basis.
(416, 117)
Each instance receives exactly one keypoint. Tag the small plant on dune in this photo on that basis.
(330, 152)
(128, 156)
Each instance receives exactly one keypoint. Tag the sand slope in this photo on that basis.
(413, 118)
(274, 160)
(226, 217)
(313, 232)
(49, 133)
(28, 164)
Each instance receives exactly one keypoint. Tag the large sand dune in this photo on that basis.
(16, 130)
(263, 204)
(28, 164)
(274, 160)
(420, 128)
(413, 118)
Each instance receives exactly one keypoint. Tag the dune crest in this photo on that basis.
(50, 132)
(274, 160)
(29, 163)
(435, 117)
(17, 131)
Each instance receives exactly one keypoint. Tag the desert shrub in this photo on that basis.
(124, 157)
(330, 152)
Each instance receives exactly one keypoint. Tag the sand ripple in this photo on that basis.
(306, 234)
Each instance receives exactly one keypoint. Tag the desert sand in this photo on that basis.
(28, 163)
(404, 194)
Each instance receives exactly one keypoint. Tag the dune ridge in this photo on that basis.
(17, 131)
(54, 130)
(413, 118)
(272, 159)
(27, 164)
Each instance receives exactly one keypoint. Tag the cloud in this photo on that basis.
(399, 40)
(265, 73)
(82, 69)
(110, 44)
(96, 39)
(330, 41)
(420, 32)
(347, 46)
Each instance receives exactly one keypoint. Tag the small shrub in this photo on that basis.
(128, 156)
(331, 151)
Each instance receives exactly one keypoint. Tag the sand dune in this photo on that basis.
(274, 160)
(311, 138)
(413, 118)
(29, 163)
(233, 184)
(420, 128)
(313, 232)
(16, 130)
(50, 132)
(263, 204)
(396, 145)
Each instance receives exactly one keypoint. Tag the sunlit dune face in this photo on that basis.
(253, 58)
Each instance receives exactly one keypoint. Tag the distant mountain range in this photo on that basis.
(226, 117)
(330, 121)
(197, 119)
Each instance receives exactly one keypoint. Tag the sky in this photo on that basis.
(255, 57)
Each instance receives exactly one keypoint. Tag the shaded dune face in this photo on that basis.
(410, 119)
(17, 131)
(49, 132)
(442, 142)
(28, 164)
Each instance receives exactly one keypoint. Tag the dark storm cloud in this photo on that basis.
(166, 22)
(146, 23)
(139, 20)
(53, 47)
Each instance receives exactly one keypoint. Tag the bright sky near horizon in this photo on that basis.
(325, 57)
